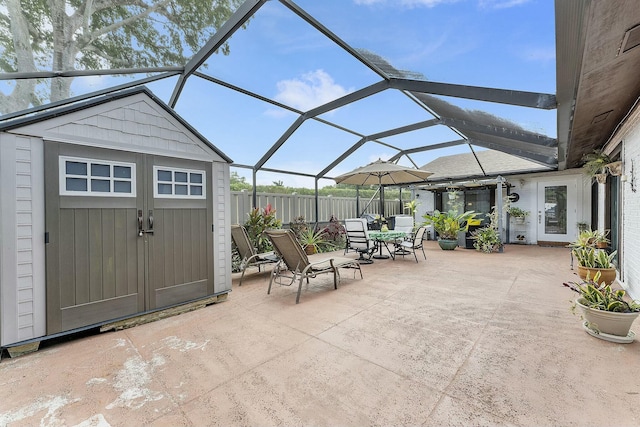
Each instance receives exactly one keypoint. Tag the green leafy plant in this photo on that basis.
(487, 239)
(448, 224)
(590, 238)
(602, 296)
(411, 206)
(259, 221)
(595, 163)
(517, 212)
(591, 257)
(312, 238)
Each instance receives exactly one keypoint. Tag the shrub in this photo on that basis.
(259, 221)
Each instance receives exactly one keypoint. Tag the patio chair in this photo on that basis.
(248, 254)
(404, 223)
(358, 239)
(295, 264)
(407, 246)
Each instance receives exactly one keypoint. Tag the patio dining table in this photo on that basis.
(383, 238)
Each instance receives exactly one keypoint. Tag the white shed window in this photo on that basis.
(101, 178)
(173, 183)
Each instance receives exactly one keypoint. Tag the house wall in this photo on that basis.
(527, 187)
(628, 136)
(426, 203)
(22, 290)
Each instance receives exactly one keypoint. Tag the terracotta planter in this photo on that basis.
(447, 245)
(310, 250)
(607, 275)
(607, 322)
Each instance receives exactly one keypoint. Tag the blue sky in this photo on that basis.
(508, 44)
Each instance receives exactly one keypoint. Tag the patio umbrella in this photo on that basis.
(382, 173)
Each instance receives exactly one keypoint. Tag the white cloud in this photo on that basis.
(405, 3)
(501, 4)
(311, 90)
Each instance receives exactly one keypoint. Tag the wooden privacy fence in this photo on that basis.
(290, 206)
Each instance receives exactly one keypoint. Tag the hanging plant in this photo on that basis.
(595, 163)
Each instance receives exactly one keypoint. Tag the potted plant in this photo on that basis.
(487, 239)
(607, 313)
(518, 213)
(595, 165)
(311, 240)
(592, 261)
(582, 226)
(594, 238)
(586, 249)
(448, 225)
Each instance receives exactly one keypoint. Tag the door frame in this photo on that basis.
(572, 211)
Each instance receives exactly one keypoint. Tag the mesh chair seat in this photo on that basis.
(295, 265)
(248, 254)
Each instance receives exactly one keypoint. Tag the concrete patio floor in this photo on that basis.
(463, 338)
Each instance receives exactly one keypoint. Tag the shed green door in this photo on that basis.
(180, 250)
(99, 267)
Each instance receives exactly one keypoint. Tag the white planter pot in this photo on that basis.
(606, 324)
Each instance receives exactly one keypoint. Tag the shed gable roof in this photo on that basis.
(135, 120)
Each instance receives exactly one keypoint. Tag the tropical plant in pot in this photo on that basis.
(608, 314)
(595, 165)
(311, 240)
(591, 259)
(448, 225)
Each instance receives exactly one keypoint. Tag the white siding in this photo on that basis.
(222, 226)
(630, 236)
(22, 287)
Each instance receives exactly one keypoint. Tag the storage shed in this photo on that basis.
(110, 208)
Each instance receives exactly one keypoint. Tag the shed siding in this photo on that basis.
(222, 227)
(135, 123)
(22, 194)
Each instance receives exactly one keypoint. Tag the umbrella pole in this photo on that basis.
(381, 196)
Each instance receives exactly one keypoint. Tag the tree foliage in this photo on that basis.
(64, 35)
(239, 183)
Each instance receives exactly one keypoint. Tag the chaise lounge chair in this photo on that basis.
(248, 254)
(295, 265)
